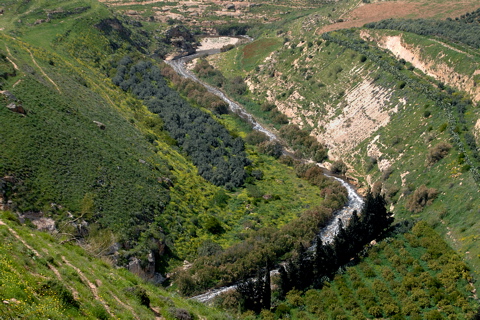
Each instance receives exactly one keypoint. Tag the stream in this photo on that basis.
(355, 202)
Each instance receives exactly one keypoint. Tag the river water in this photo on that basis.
(354, 203)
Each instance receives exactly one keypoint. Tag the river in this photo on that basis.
(355, 201)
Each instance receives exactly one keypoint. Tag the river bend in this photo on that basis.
(354, 203)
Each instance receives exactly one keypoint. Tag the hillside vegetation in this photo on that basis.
(42, 279)
(384, 117)
(124, 165)
(88, 162)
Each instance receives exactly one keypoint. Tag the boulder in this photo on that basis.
(100, 125)
(45, 224)
(14, 107)
(148, 271)
(7, 94)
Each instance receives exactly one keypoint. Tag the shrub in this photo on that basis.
(375, 311)
(57, 289)
(99, 312)
(267, 107)
(438, 152)
(271, 148)
(256, 137)
(140, 294)
(213, 225)
(422, 197)
(433, 315)
(180, 314)
(227, 47)
(339, 167)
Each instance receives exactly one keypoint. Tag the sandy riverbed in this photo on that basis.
(216, 42)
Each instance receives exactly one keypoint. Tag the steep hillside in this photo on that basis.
(42, 279)
(111, 161)
(83, 157)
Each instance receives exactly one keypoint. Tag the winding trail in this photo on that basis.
(89, 284)
(43, 72)
(327, 234)
(38, 255)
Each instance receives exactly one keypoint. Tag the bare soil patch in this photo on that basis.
(216, 42)
(373, 12)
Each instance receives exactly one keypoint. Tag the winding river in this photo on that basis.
(355, 202)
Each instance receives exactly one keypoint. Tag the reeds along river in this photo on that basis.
(355, 202)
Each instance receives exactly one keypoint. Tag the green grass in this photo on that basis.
(23, 273)
(108, 177)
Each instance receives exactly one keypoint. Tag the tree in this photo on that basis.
(255, 293)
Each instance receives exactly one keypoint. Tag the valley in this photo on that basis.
(156, 153)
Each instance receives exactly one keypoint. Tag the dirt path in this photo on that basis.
(126, 306)
(452, 48)
(156, 310)
(373, 12)
(10, 60)
(35, 252)
(89, 284)
(43, 72)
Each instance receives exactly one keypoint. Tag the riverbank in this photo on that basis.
(327, 234)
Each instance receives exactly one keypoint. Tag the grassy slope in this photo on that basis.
(29, 260)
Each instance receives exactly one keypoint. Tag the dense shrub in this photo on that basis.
(301, 141)
(463, 29)
(57, 289)
(256, 137)
(422, 197)
(140, 294)
(180, 314)
(339, 167)
(271, 148)
(438, 152)
(219, 157)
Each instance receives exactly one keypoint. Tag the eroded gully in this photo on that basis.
(355, 202)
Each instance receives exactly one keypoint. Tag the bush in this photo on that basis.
(140, 294)
(271, 148)
(213, 225)
(438, 152)
(339, 167)
(57, 289)
(256, 137)
(266, 107)
(180, 314)
(422, 197)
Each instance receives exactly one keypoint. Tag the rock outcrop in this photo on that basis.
(146, 272)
